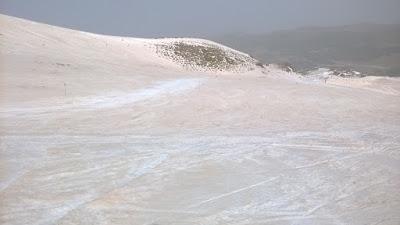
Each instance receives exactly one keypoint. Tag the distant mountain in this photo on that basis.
(369, 48)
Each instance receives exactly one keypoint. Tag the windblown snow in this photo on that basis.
(112, 130)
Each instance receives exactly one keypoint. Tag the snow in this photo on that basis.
(139, 140)
(111, 100)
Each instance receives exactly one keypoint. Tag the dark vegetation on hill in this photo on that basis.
(205, 56)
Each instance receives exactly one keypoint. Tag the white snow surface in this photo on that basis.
(103, 130)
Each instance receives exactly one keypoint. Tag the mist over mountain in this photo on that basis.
(370, 48)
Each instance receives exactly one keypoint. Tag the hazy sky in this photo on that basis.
(202, 18)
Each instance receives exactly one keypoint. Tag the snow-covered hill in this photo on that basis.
(61, 44)
(97, 129)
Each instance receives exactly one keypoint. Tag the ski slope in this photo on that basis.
(105, 130)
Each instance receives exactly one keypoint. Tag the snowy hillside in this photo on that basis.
(97, 129)
(203, 55)
(185, 53)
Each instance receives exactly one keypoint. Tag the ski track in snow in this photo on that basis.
(157, 159)
(112, 100)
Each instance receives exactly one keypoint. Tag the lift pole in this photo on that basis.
(65, 89)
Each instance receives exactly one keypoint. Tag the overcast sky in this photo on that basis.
(201, 18)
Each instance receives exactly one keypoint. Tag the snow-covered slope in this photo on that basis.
(33, 48)
(61, 44)
(111, 130)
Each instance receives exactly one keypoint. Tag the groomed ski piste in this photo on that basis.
(113, 130)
